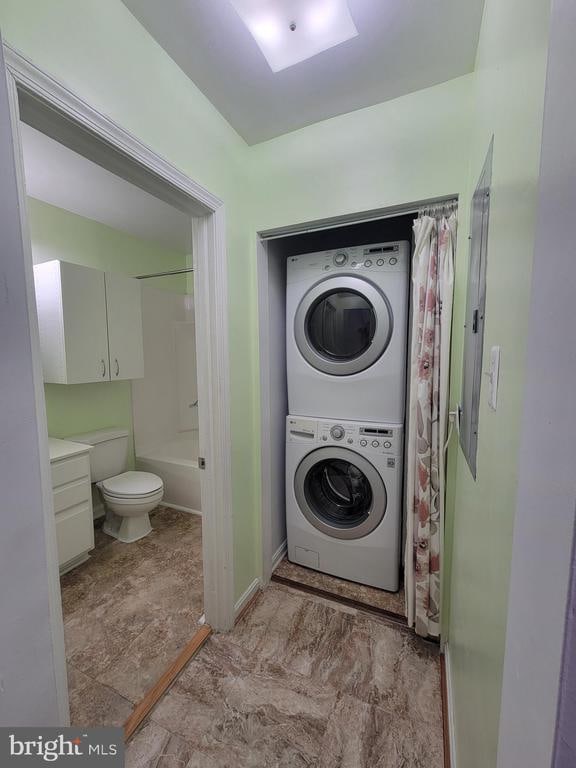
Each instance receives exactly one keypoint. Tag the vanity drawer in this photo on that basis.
(74, 532)
(68, 470)
(69, 495)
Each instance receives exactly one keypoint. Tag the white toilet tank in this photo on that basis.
(109, 454)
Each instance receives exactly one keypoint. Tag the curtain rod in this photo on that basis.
(336, 222)
(166, 274)
(445, 205)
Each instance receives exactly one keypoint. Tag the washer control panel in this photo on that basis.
(368, 438)
(379, 257)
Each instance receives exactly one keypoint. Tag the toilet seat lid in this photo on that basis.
(132, 484)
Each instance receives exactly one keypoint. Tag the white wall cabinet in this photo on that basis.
(124, 309)
(90, 324)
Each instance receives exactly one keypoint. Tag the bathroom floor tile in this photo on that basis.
(97, 635)
(143, 661)
(93, 704)
(131, 608)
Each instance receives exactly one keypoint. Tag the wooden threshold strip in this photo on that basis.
(349, 601)
(161, 686)
(445, 720)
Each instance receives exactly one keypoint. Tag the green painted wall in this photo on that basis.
(58, 234)
(507, 103)
(412, 148)
(99, 50)
(423, 145)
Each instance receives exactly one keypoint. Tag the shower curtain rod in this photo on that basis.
(444, 205)
(165, 274)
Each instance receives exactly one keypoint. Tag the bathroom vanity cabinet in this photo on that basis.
(90, 324)
(72, 494)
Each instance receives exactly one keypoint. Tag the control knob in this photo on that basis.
(340, 259)
(337, 432)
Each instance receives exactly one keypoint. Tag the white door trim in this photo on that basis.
(265, 409)
(451, 724)
(212, 359)
(49, 532)
(210, 278)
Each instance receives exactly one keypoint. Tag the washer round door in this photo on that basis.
(343, 325)
(340, 493)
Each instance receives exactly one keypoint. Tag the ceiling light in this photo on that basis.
(289, 31)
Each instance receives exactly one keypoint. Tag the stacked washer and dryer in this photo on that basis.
(346, 341)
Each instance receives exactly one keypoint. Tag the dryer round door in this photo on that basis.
(343, 325)
(340, 493)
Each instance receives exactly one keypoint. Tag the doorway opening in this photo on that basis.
(192, 309)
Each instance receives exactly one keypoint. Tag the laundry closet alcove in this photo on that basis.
(275, 248)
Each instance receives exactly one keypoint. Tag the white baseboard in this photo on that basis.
(450, 706)
(179, 508)
(278, 556)
(245, 598)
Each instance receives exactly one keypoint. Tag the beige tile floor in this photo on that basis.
(378, 598)
(301, 682)
(128, 612)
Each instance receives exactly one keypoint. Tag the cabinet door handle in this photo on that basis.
(117, 366)
(103, 368)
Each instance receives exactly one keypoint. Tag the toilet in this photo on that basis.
(128, 496)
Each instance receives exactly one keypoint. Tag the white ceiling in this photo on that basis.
(401, 47)
(61, 177)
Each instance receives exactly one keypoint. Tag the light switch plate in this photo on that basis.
(493, 376)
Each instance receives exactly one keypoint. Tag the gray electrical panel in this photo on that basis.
(475, 309)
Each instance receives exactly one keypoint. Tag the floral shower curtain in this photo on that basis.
(432, 286)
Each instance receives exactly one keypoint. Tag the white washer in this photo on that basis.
(346, 332)
(344, 498)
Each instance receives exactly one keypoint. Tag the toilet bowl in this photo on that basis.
(128, 497)
(128, 500)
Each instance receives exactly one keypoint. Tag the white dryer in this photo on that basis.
(346, 332)
(344, 499)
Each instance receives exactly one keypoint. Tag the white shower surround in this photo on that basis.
(163, 402)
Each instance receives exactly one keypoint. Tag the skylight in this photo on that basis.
(289, 31)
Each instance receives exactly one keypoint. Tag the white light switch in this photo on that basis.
(493, 377)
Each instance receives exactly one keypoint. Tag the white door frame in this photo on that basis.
(211, 300)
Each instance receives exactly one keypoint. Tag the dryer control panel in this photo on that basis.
(379, 257)
(366, 438)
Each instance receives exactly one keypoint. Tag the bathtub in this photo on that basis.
(176, 462)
